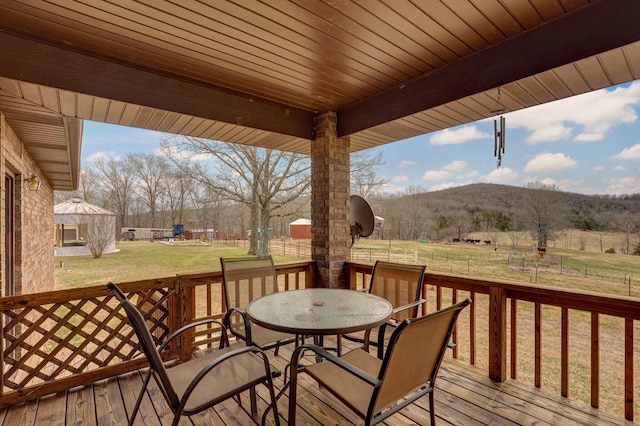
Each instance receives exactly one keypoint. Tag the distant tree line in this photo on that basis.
(243, 191)
(238, 191)
(538, 210)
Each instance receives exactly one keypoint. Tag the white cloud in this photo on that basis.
(598, 168)
(626, 185)
(457, 136)
(620, 168)
(548, 162)
(406, 163)
(589, 137)
(632, 153)
(400, 178)
(436, 175)
(103, 155)
(502, 175)
(456, 166)
(548, 133)
(590, 116)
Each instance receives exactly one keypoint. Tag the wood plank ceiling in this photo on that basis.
(258, 72)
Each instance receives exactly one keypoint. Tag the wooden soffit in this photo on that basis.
(258, 73)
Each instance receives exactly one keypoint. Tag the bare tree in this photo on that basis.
(99, 234)
(543, 211)
(150, 171)
(364, 180)
(88, 188)
(117, 182)
(263, 179)
(626, 223)
(178, 184)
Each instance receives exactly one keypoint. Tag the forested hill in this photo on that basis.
(479, 207)
(489, 196)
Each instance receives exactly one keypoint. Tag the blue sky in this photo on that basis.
(588, 144)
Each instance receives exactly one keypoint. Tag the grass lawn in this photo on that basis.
(138, 260)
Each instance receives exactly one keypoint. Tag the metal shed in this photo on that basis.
(300, 229)
(75, 214)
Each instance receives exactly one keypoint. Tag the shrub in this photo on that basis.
(611, 250)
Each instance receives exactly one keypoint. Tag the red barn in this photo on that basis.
(300, 229)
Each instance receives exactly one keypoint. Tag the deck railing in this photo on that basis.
(552, 338)
(549, 337)
(58, 340)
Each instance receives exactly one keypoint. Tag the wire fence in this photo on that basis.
(479, 263)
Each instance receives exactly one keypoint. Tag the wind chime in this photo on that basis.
(499, 128)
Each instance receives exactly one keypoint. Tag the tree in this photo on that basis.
(88, 188)
(263, 179)
(364, 180)
(543, 211)
(626, 223)
(151, 171)
(178, 184)
(99, 234)
(117, 184)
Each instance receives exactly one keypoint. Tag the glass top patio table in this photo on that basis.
(319, 311)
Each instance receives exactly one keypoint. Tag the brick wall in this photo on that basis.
(34, 231)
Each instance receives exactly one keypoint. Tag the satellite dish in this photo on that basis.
(362, 218)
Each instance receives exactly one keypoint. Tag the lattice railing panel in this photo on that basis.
(45, 342)
(58, 340)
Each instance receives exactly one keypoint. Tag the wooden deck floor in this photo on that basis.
(464, 396)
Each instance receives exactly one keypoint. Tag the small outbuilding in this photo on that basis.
(73, 220)
(300, 229)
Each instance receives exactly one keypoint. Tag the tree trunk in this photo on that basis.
(264, 231)
(255, 226)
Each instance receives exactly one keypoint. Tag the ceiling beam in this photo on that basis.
(40, 63)
(589, 31)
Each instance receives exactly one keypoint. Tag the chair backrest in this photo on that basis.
(400, 284)
(247, 278)
(414, 355)
(137, 321)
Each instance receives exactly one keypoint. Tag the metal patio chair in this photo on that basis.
(400, 284)
(245, 279)
(377, 388)
(202, 382)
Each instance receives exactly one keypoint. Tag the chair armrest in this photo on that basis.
(409, 305)
(328, 356)
(182, 329)
(245, 319)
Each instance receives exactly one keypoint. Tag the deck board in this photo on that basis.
(464, 396)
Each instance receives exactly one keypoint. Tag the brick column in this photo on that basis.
(330, 232)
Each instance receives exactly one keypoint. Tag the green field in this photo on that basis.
(571, 269)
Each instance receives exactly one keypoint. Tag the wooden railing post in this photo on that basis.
(497, 334)
(351, 276)
(184, 311)
(310, 276)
